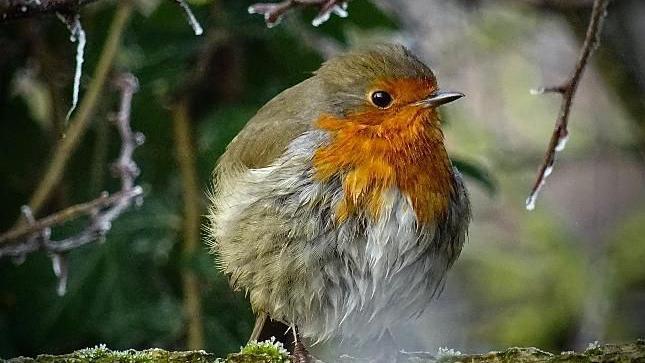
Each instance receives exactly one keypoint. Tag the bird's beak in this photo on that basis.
(439, 98)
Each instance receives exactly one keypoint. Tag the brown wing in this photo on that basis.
(276, 124)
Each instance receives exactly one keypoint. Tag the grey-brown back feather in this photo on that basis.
(276, 124)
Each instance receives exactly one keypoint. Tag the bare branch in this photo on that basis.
(18, 9)
(273, 12)
(192, 196)
(567, 90)
(75, 211)
(35, 235)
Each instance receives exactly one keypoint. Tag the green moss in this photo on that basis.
(101, 354)
(617, 353)
(254, 352)
(274, 352)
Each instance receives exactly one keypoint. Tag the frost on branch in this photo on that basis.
(192, 20)
(273, 12)
(77, 34)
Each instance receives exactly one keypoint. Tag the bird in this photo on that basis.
(337, 209)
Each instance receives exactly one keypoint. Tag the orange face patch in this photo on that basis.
(375, 150)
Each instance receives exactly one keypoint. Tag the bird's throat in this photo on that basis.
(375, 152)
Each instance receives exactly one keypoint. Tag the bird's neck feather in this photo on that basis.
(374, 151)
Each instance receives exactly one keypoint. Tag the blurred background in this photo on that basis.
(567, 274)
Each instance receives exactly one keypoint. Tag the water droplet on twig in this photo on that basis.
(19, 259)
(562, 143)
(60, 267)
(192, 20)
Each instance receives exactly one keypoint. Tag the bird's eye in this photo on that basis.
(381, 99)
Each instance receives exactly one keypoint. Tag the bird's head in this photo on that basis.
(385, 131)
(384, 85)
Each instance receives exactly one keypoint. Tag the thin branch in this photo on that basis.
(273, 12)
(567, 90)
(192, 20)
(192, 211)
(75, 211)
(19, 9)
(78, 125)
(102, 211)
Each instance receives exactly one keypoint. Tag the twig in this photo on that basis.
(102, 211)
(19, 9)
(273, 12)
(192, 211)
(75, 211)
(567, 90)
(192, 20)
(81, 120)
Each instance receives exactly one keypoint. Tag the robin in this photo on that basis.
(336, 208)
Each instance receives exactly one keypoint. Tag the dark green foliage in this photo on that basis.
(477, 173)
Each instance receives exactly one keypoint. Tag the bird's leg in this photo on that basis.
(300, 353)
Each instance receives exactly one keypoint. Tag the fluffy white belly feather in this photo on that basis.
(379, 278)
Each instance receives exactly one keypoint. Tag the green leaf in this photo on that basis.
(477, 173)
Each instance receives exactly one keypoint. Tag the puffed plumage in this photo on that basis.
(334, 214)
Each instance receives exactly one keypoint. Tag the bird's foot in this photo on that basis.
(300, 353)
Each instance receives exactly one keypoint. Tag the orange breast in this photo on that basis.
(375, 151)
